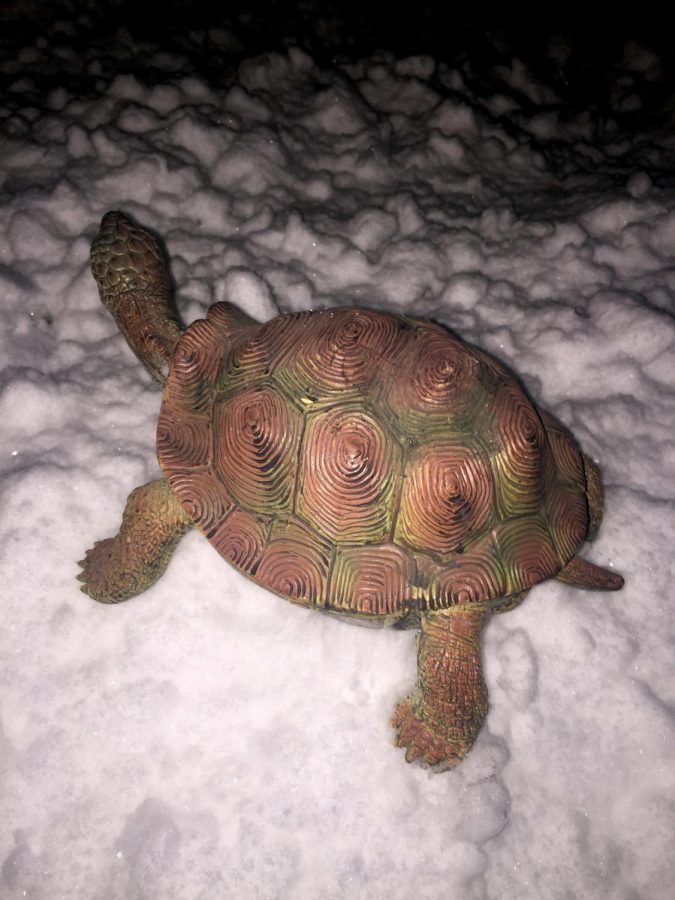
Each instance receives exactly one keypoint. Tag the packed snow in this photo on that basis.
(207, 739)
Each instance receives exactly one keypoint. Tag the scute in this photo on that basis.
(567, 515)
(374, 580)
(240, 538)
(183, 439)
(447, 497)
(522, 464)
(341, 350)
(256, 443)
(203, 495)
(568, 461)
(367, 464)
(476, 576)
(438, 388)
(526, 552)
(194, 367)
(295, 563)
(349, 471)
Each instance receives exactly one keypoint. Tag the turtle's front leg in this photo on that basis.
(121, 567)
(440, 720)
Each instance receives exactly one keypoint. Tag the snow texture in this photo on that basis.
(207, 739)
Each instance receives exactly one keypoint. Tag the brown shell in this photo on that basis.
(367, 464)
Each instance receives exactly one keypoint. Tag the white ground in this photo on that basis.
(207, 739)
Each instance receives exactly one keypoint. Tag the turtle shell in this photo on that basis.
(365, 463)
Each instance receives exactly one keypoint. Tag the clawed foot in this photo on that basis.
(95, 576)
(91, 566)
(121, 567)
(422, 742)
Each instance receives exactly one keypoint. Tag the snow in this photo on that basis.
(207, 739)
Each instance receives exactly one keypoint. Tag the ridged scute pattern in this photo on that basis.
(341, 350)
(183, 439)
(437, 387)
(522, 463)
(526, 552)
(372, 580)
(474, 577)
(194, 368)
(295, 563)
(568, 459)
(349, 475)
(203, 495)
(447, 497)
(566, 510)
(256, 447)
(366, 463)
(240, 537)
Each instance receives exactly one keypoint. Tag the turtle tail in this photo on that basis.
(133, 283)
(584, 574)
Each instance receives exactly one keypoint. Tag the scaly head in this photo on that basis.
(133, 283)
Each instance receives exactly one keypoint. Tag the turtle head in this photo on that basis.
(129, 269)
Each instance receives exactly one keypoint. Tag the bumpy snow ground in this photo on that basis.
(207, 739)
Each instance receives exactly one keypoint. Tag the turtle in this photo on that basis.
(366, 464)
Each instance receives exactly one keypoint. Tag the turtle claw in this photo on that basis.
(85, 562)
(420, 739)
(95, 569)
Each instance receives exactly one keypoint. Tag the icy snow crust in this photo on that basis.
(209, 740)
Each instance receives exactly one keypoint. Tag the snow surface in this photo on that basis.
(207, 739)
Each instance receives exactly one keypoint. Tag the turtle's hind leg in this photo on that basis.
(121, 567)
(440, 720)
